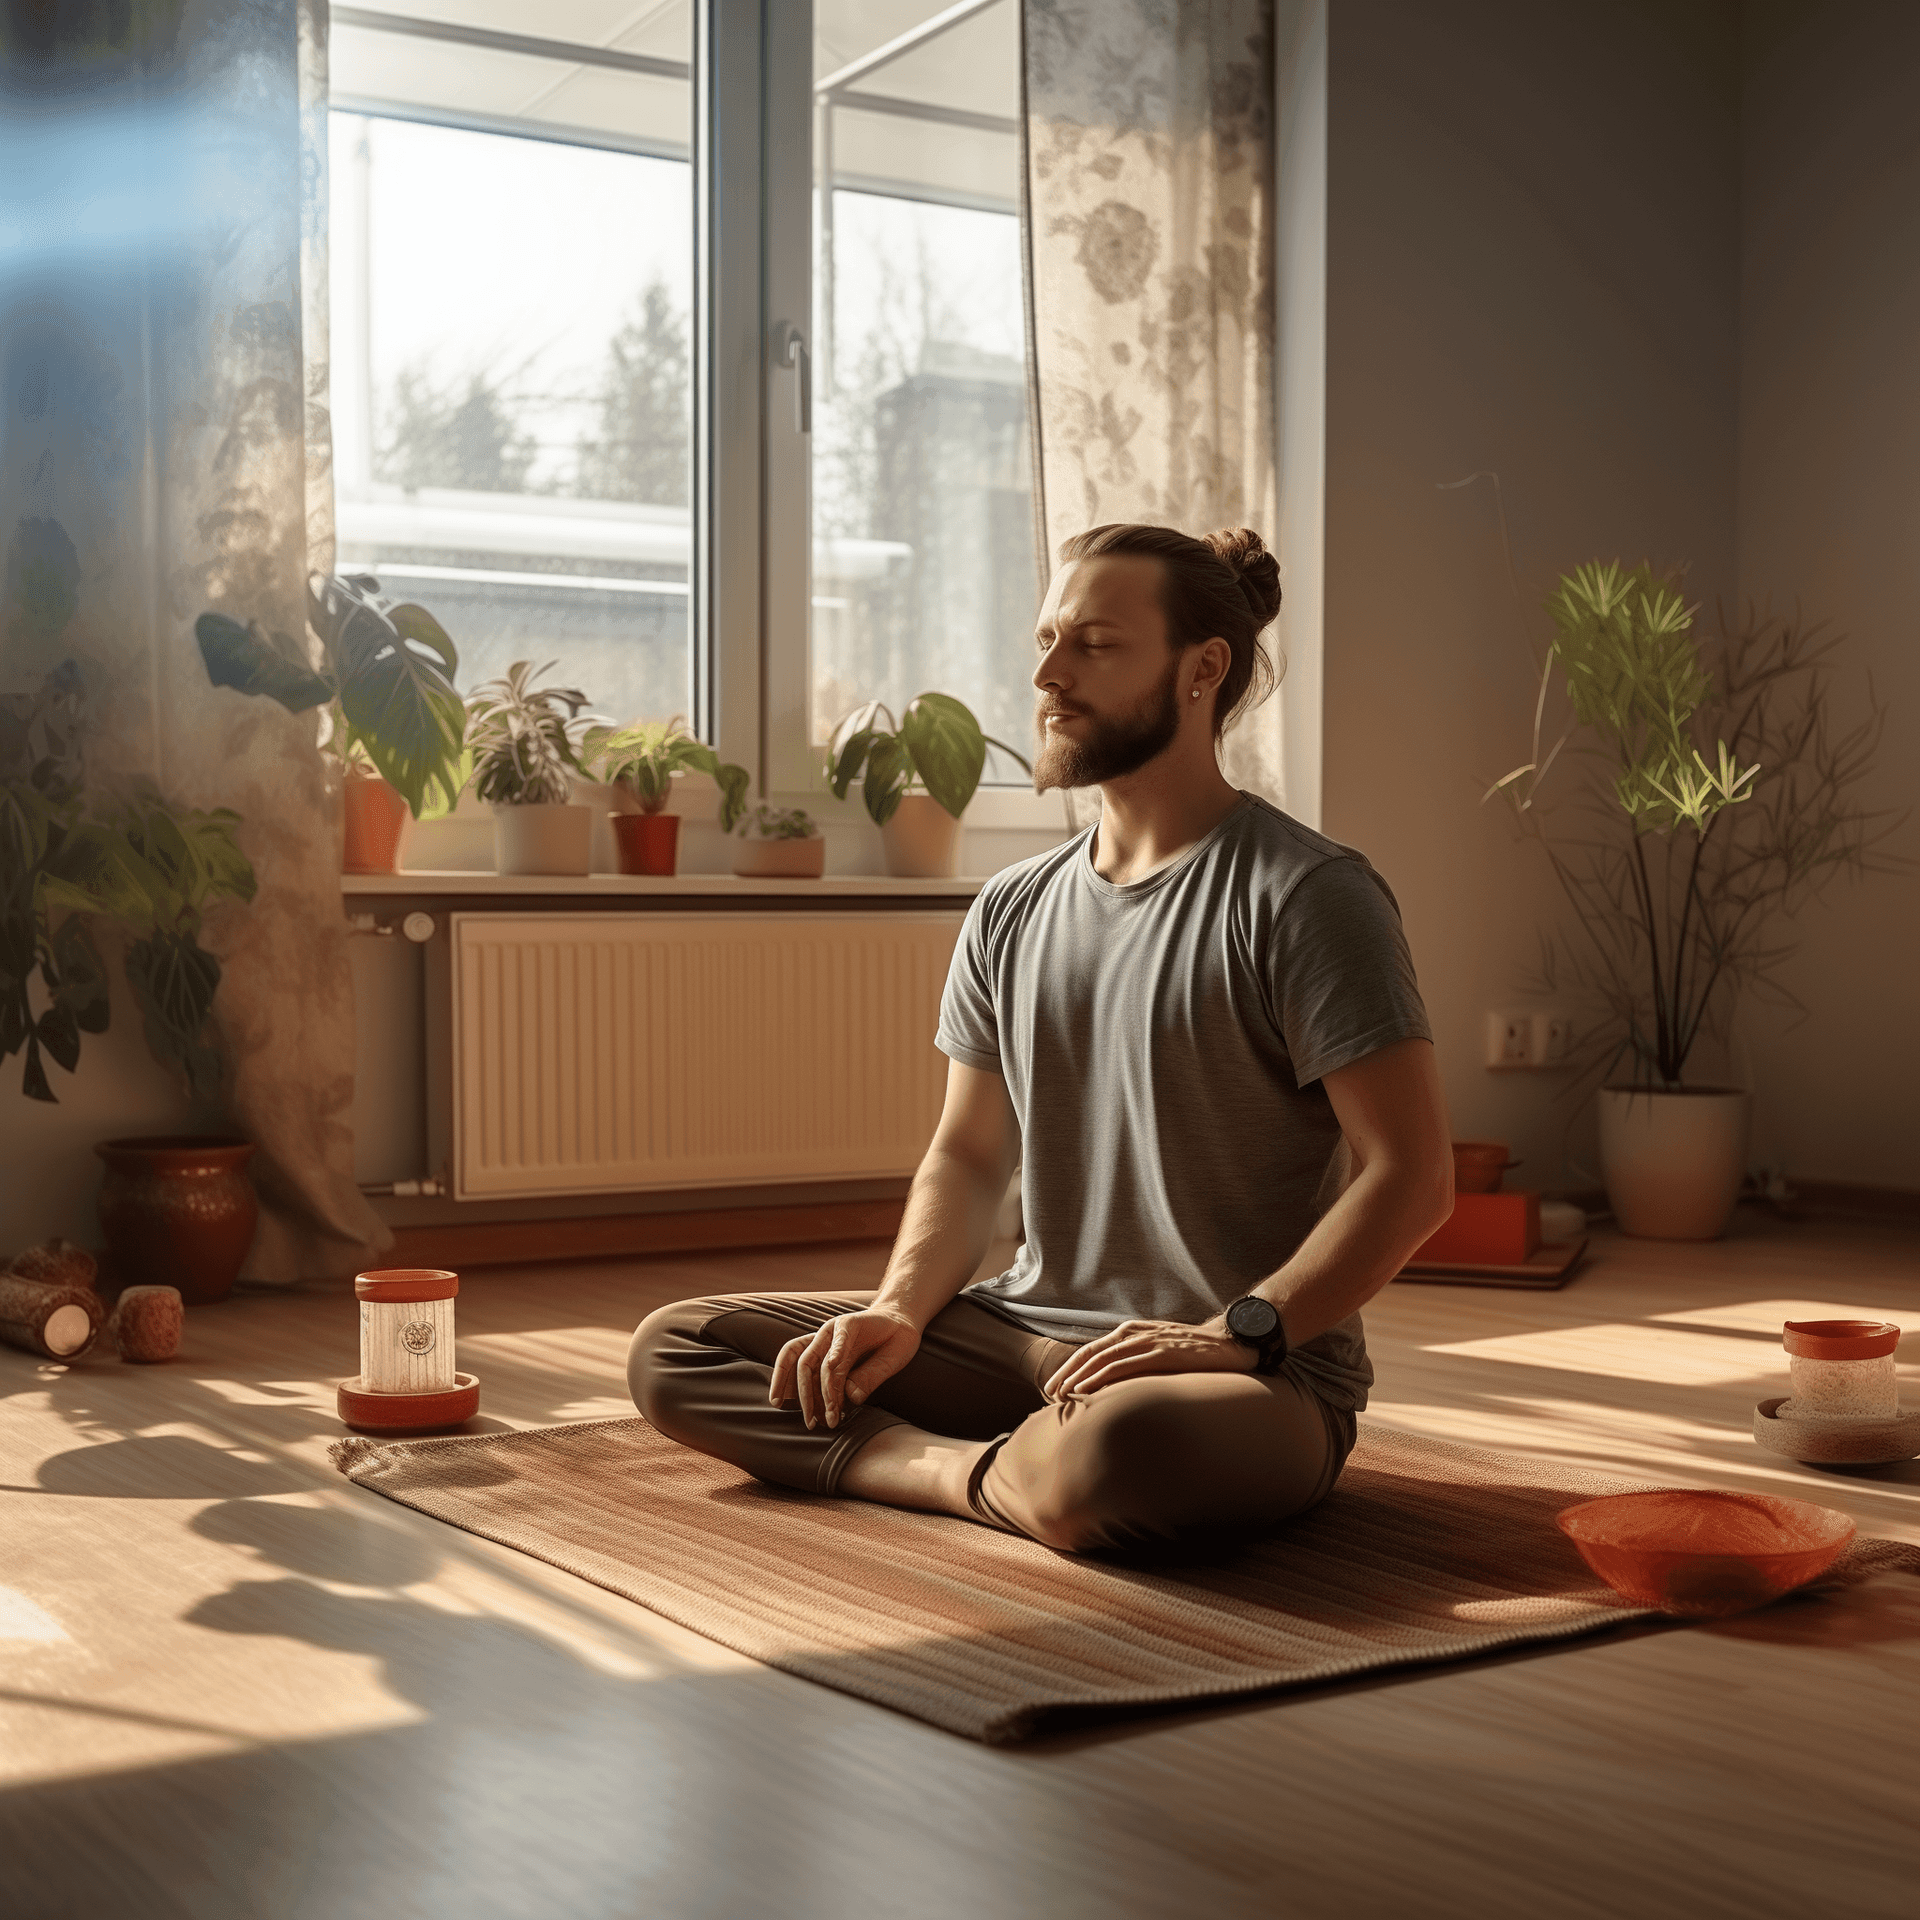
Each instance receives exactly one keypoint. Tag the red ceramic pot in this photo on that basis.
(178, 1211)
(1480, 1165)
(647, 842)
(374, 816)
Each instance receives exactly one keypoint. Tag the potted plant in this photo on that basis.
(642, 759)
(1726, 798)
(779, 843)
(917, 777)
(525, 742)
(395, 722)
(64, 858)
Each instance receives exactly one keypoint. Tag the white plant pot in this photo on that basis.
(922, 840)
(780, 859)
(543, 839)
(1673, 1162)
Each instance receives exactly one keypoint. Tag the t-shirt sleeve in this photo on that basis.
(969, 1031)
(1341, 976)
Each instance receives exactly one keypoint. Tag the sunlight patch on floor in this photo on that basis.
(22, 1619)
(1623, 1351)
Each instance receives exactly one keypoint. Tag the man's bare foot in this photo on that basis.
(904, 1467)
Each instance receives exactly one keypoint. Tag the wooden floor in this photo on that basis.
(237, 1687)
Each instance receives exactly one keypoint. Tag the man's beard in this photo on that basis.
(1112, 748)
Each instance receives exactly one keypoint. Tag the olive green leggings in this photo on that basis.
(1170, 1459)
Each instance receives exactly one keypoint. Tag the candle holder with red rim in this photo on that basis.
(407, 1381)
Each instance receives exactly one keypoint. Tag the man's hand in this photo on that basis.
(1150, 1346)
(842, 1363)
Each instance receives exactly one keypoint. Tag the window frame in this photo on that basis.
(756, 115)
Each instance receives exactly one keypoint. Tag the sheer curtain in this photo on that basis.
(166, 329)
(1150, 283)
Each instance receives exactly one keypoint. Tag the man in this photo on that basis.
(1196, 1027)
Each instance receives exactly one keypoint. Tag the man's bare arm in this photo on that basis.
(944, 1235)
(1394, 1115)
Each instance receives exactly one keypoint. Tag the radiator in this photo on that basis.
(603, 1053)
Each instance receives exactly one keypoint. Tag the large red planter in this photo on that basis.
(647, 842)
(178, 1211)
(374, 816)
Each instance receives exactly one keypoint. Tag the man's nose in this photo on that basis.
(1051, 672)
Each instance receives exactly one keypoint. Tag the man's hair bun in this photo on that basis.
(1255, 568)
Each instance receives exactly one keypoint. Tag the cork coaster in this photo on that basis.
(1838, 1440)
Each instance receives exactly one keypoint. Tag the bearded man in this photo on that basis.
(1195, 1027)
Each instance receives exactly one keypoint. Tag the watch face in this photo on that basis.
(1252, 1318)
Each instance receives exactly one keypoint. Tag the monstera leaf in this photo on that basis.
(251, 660)
(388, 674)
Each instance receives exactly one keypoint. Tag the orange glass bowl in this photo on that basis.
(1702, 1553)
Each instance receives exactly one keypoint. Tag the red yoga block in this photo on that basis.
(1487, 1229)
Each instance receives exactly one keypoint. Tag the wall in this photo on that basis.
(1532, 272)
(1829, 515)
(1300, 391)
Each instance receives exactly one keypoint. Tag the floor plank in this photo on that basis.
(237, 1686)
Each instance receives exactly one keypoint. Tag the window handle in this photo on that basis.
(793, 353)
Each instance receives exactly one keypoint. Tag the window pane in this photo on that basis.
(923, 556)
(511, 366)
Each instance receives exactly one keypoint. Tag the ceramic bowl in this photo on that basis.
(1703, 1553)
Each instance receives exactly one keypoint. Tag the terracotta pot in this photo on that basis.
(178, 1211)
(1673, 1160)
(375, 820)
(922, 840)
(1479, 1165)
(548, 837)
(647, 842)
(781, 859)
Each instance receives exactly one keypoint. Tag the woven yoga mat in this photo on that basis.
(1424, 1551)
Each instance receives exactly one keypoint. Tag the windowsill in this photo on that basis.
(849, 886)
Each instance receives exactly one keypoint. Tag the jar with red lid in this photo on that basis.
(406, 1330)
(1843, 1368)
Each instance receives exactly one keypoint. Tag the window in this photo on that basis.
(511, 260)
(923, 569)
(570, 244)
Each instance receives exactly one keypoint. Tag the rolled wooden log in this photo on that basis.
(56, 1263)
(147, 1323)
(58, 1323)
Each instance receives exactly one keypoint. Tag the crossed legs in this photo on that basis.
(1159, 1461)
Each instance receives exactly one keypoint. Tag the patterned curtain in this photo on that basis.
(165, 393)
(1150, 282)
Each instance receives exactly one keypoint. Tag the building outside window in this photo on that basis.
(515, 346)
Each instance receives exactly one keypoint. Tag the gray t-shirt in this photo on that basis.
(1163, 1043)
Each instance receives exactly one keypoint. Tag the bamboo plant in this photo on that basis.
(1727, 798)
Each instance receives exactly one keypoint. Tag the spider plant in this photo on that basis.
(524, 738)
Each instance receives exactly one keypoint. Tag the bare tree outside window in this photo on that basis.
(639, 448)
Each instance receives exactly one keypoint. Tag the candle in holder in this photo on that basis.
(1843, 1368)
(406, 1329)
(407, 1381)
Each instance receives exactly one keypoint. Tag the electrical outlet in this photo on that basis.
(1509, 1039)
(1552, 1036)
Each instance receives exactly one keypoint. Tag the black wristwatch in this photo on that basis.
(1255, 1323)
